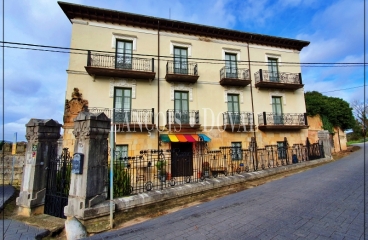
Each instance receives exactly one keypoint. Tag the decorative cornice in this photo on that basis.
(122, 83)
(76, 11)
(234, 91)
(181, 87)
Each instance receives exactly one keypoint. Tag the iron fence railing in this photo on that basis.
(131, 116)
(182, 67)
(182, 117)
(235, 118)
(299, 119)
(279, 77)
(236, 73)
(119, 61)
(160, 169)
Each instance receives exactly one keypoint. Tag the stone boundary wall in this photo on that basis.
(12, 171)
(131, 202)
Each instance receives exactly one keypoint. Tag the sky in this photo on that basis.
(35, 81)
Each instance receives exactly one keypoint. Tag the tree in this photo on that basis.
(334, 112)
(360, 112)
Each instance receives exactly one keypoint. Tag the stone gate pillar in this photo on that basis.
(88, 189)
(42, 136)
(324, 137)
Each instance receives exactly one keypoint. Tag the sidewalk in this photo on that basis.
(12, 229)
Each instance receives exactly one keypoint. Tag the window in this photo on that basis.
(122, 105)
(231, 65)
(281, 150)
(180, 60)
(236, 151)
(233, 109)
(181, 107)
(273, 69)
(121, 152)
(277, 110)
(124, 53)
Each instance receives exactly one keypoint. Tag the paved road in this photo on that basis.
(12, 229)
(322, 203)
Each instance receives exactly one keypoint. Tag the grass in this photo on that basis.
(356, 141)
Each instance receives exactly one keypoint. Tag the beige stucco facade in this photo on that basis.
(206, 95)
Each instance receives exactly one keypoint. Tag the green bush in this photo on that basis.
(122, 182)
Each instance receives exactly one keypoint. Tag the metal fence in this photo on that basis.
(275, 76)
(160, 169)
(182, 67)
(119, 61)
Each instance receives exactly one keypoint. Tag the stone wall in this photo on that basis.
(339, 138)
(13, 164)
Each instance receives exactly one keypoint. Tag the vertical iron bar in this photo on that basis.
(89, 58)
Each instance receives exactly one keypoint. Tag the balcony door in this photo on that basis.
(124, 52)
(181, 108)
(233, 109)
(180, 60)
(277, 110)
(122, 105)
(273, 69)
(231, 65)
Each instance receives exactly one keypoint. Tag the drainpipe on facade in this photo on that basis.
(251, 92)
(158, 85)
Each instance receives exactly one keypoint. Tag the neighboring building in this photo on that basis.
(188, 81)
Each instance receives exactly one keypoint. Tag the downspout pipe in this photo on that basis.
(251, 90)
(158, 85)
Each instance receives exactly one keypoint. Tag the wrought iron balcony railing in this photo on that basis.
(119, 61)
(237, 118)
(287, 119)
(182, 117)
(185, 68)
(131, 116)
(277, 77)
(234, 73)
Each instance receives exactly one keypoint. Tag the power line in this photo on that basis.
(342, 89)
(239, 63)
(161, 56)
(217, 61)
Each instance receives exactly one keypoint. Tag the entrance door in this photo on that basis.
(181, 159)
(277, 110)
(181, 108)
(122, 105)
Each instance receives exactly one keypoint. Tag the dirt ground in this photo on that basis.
(134, 217)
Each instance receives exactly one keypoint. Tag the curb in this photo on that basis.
(155, 196)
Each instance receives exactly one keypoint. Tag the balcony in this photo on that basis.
(280, 80)
(177, 120)
(108, 65)
(238, 121)
(181, 72)
(285, 121)
(132, 120)
(234, 77)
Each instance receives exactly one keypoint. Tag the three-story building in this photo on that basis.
(168, 84)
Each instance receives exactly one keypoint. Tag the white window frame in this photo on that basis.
(278, 94)
(274, 56)
(123, 37)
(231, 51)
(182, 45)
